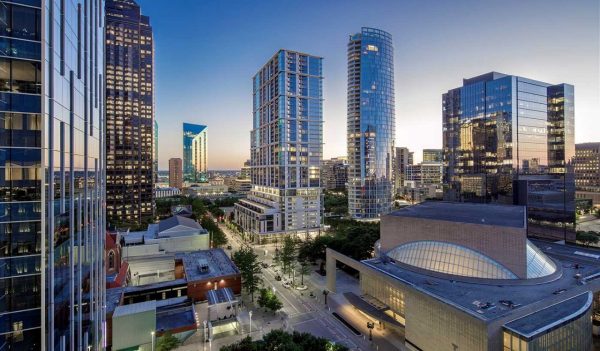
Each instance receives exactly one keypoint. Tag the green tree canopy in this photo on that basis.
(247, 262)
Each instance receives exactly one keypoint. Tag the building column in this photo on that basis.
(331, 271)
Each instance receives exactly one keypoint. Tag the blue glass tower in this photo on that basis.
(371, 123)
(52, 171)
(509, 139)
(190, 131)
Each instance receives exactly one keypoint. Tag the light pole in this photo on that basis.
(250, 313)
(325, 293)
(293, 277)
(152, 333)
(370, 325)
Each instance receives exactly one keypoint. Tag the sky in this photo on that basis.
(206, 53)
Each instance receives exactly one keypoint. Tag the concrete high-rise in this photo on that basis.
(509, 139)
(286, 149)
(52, 227)
(175, 173)
(334, 173)
(190, 131)
(402, 159)
(371, 123)
(587, 171)
(129, 112)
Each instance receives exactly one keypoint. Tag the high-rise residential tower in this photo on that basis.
(52, 178)
(371, 123)
(190, 131)
(286, 149)
(155, 152)
(129, 112)
(509, 139)
(175, 173)
(200, 155)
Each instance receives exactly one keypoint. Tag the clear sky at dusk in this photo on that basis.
(208, 51)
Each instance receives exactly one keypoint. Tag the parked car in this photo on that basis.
(229, 247)
(264, 265)
(278, 277)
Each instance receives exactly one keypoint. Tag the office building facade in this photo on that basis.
(371, 123)
(587, 171)
(425, 173)
(175, 173)
(433, 155)
(200, 155)
(286, 149)
(129, 112)
(334, 173)
(509, 139)
(190, 131)
(52, 184)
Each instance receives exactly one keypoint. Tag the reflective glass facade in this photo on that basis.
(509, 139)
(51, 175)
(286, 147)
(538, 264)
(155, 152)
(371, 123)
(129, 112)
(449, 258)
(200, 156)
(190, 131)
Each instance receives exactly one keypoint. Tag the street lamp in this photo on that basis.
(250, 313)
(325, 292)
(370, 325)
(293, 277)
(152, 334)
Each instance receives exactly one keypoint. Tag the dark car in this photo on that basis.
(278, 277)
(229, 247)
(264, 265)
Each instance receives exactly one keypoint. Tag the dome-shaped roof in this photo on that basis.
(449, 258)
(538, 264)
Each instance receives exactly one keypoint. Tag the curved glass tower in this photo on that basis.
(371, 123)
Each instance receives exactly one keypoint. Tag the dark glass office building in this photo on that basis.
(371, 123)
(509, 139)
(190, 131)
(51, 175)
(129, 112)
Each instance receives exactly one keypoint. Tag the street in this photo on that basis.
(304, 313)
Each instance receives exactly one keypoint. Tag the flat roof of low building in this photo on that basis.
(551, 317)
(134, 308)
(491, 300)
(215, 260)
(486, 214)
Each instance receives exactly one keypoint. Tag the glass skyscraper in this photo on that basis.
(509, 139)
(190, 131)
(371, 123)
(155, 152)
(52, 220)
(286, 149)
(129, 112)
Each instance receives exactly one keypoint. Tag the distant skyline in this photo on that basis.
(207, 52)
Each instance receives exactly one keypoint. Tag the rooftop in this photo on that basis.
(220, 296)
(498, 299)
(486, 214)
(139, 307)
(551, 317)
(174, 221)
(216, 260)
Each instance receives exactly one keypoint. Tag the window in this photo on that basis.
(372, 48)
(20, 76)
(111, 260)
(19, 22)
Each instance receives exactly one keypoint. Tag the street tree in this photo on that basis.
(288, 255)
(304, 270)
(247, 262)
